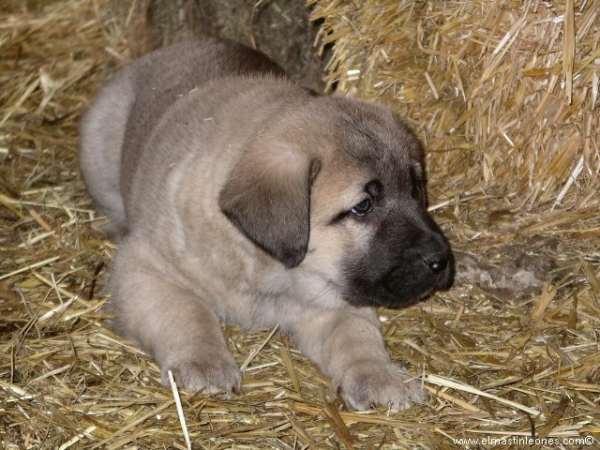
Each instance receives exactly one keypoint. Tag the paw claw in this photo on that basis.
(205, 378)
(366, 385)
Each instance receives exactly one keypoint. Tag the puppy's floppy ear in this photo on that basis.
(267, 197)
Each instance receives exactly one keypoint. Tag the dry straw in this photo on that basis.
(504, 93)
(501, 358)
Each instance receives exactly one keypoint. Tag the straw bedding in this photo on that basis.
(504, 94)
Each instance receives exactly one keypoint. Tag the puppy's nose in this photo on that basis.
(437, 262)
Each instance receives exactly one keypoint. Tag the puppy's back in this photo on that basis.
(129, 106)
(164, 75)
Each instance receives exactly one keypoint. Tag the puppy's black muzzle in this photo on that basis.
(427, 267)
(409, 259)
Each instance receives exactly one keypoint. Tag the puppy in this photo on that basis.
(237, 195)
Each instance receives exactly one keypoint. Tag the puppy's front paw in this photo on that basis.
(367, 384)
(205, 376)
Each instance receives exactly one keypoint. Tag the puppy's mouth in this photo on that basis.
(402, 285)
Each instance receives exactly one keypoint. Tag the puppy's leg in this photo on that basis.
(349, 348)
(174, 326)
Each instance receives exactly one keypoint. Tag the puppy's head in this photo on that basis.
(336, 188)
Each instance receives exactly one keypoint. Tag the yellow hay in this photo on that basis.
(504, 93)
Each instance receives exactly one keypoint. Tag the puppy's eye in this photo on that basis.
(363, 208)
(418, 193)
(418, 189)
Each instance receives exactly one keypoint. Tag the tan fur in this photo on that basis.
(225, 187)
